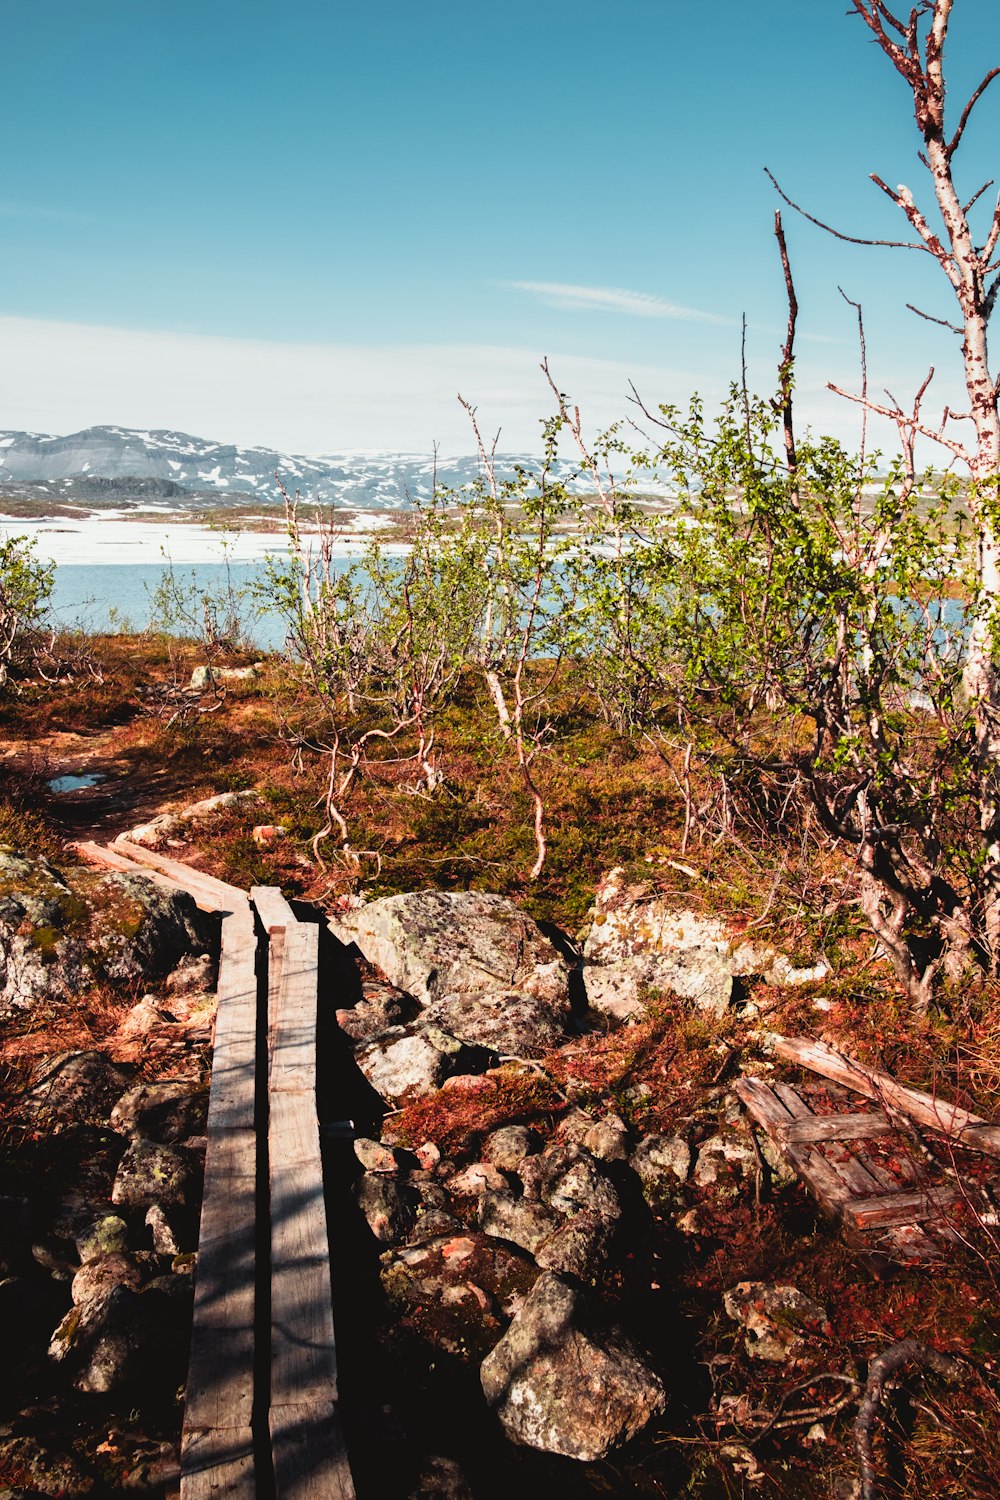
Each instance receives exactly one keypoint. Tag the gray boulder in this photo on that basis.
(780, 1321)
(562, 1381)
(150, 1173)
(436, 943)
(510, 1022)
(96, 1277)
(521, 1221)
(76, 1087)
(166, 1112)
(507, 1147)
(662, 1163)
(389, 1206)
(107, 1235)
(403, 1067)
(570, 1180)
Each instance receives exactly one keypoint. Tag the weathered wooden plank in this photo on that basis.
(234, 1053)
(208, 892)
(864, 1177)
(218, 1463)
(220, 1372)
(110, 859)
(838, 1128)
(293, 1058)
(310, 1460)
(303, 1349)
(275, 960)
(881, 1209)
(815, 1171)
(937, 1114)
(272, 908)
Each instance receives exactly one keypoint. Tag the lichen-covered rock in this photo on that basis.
(725, 1164)
(621, 991)
(375, 1157)
(509, 1022)
(579, 1247)
(477, 1178)
(76, 1087)
(507, 1147)
(165, 1230)
(61, 931)
(150, 1173)
(436, 943)
(779, 1320)
(607, 1138)
(166, 1112)
(389, 1206)
(570, 1180)
(122, 1340)
(403, 1067)
(661, 1162)
(461, 1288)
(97, 1276)
(562, 1381)
(48, 1470)
(381, 1007)
(522, 1221)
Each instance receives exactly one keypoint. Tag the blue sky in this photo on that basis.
(309, 224)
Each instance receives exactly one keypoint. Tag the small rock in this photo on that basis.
(381, 1008)
(562, 1381)
(269, 833)
(578, 1248)
(521, 1221)
(478, 1178)
(507, 1148)
(428, 1155)
(163, 1227)
(144, 1018)
(406, 1067)
(150, 1173)
(778, 1319)
(607, 1139)
(725, 1164)
(96, 1277)
(375, 1157)
(77, 1086)
(390, 1208)
(107, 1235)
(661, 1162)
(52, 1257)
(570, 1180)
(195, 974)
(166, 1112)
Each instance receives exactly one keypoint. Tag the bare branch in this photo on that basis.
(903, 198)
(864, 370)
(787, 364)
(952, 145)
(976, 196)
(942, 322)
(894, 413)
(851, 239)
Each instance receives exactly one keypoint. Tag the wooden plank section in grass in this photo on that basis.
(310, 1461)
(231, 1095)
(293, 1040)
(208, 892)
(816, 1172)
(272, 908)
(837, 1128)
(885, 1209)
(936, 1114)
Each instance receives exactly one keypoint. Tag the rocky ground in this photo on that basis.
(567, 1263)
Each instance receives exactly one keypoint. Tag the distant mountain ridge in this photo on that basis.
(120, 463)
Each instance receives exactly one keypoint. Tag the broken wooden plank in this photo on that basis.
(837, 1128)
(823, 1182)
(967, 1129)
(310, 1460)
(882, 1209)
(209, 893)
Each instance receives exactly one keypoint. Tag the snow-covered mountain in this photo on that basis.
(118, 463)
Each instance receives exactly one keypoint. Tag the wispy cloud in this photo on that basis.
(567, 296)
(11, 209)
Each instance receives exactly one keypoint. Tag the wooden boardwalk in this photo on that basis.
(261, 1414)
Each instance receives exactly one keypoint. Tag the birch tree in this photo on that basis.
(959, 232)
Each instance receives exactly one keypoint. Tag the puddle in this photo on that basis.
(61, 784)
